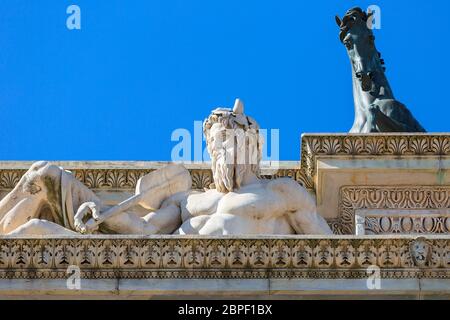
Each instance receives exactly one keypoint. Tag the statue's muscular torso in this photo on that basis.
(258, 208)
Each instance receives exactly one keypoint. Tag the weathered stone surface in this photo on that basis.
(118, 266)
(221, 257)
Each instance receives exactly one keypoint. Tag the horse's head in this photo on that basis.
(359, 40)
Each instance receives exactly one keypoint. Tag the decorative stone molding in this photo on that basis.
(9, 178)
(194, 257)
(116, 178)
(431, 221)
(109, 179)
(401, 198)
(103, 175)
(421, 252)
(373, 145)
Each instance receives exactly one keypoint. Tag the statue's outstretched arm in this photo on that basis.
(151, 191)
(162, 221)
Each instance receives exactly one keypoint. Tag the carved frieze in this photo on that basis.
(168, 257)
(412, 200)
(126, 179)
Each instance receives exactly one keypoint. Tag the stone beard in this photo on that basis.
(235, 147)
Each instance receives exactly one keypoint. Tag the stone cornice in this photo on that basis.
(105, 257)
(124, 174)
(398, 145)
(118, 175)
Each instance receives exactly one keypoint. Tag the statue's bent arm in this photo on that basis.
(163, 221)
(168, 218)
(301, 207)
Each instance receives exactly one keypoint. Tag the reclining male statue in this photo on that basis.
(50, 201)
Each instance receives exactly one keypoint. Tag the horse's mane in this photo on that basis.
(350, 18)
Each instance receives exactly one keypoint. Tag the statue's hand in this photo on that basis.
(90, 210)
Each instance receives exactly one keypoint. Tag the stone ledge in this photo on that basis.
(123, 175)
(117, 175)
(224, 289)
(251, 257)
(375, 145)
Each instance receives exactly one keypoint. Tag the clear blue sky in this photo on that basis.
(137, 70)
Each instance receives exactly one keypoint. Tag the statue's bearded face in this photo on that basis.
(234, 145)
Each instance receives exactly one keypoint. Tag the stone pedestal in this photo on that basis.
(395, 176)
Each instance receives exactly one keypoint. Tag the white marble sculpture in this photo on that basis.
(50, 201)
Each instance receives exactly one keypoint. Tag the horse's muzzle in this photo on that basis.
(366, 80)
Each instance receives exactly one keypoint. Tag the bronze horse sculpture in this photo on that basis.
(376, 109)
